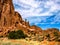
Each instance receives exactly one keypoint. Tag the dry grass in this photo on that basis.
(25, 42)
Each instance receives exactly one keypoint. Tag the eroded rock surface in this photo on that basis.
(11, 20)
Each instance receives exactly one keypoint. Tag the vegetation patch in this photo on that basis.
(16, 34)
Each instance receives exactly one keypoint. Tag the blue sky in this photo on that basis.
(43, 12)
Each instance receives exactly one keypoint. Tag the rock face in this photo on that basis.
(10, 19)
(7, 13)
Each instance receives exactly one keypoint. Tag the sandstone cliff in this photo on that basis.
(11, 20)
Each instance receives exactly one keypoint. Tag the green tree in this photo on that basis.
(16, 34)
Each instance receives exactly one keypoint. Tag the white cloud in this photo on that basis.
(37, 7)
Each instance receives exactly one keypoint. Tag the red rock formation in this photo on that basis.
(7, 13)
(11, 20)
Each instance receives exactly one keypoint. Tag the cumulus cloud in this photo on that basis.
(43, 13)
(29, 8)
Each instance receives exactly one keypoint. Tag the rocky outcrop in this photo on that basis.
(11, 20)
(51, 34)
(7, 13)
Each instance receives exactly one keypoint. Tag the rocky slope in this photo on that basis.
(11, 20)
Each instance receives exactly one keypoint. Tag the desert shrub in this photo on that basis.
(55, 34)
(1, 36)
(48, 37)
(40, 39)
(16, 34)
